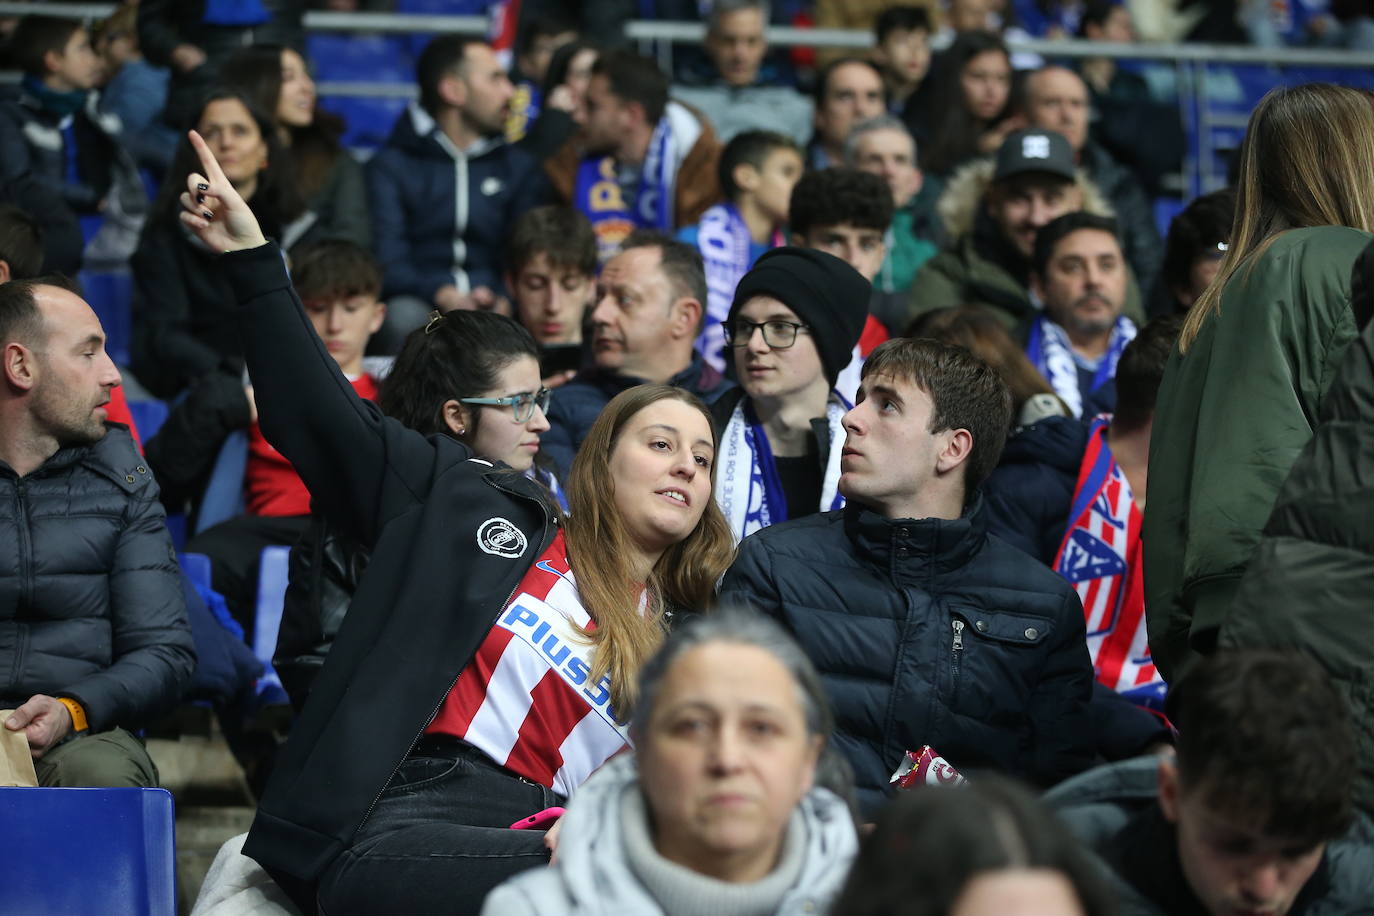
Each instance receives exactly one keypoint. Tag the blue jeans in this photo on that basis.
(438, 839)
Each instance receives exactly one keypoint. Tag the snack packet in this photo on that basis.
(925, 768)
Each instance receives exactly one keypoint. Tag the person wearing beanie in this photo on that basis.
(791, 330)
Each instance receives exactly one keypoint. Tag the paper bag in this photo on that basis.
(16, 763)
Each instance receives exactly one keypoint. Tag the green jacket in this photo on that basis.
(1311, 582)
(1231, 417)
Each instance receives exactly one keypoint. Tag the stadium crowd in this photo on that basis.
(795, 483)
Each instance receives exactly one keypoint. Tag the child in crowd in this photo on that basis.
(758, 170)
(551, 275)
(59, 158)
(902, 49)
(339, 283)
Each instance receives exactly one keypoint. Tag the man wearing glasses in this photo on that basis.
(648, 312)
(792, 328)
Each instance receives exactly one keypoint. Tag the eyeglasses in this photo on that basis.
(777, 333)
(522, 404)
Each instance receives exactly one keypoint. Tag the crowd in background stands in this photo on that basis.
(880, 353)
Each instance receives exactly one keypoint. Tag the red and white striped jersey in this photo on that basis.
(524, 699)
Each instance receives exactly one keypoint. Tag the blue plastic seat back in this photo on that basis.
(223, 497)
(348, 58)
(102, 852)
(110, 294)
(148, 417)
(370, 120)
(273, 575)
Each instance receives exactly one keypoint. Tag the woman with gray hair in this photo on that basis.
(717, 811)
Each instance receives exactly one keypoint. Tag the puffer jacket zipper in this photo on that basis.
(25, 546)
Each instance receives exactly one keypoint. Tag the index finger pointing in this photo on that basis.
(208, 162)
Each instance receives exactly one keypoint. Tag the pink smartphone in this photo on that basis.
(541, 821)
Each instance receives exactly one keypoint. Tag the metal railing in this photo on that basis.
(1189, 61)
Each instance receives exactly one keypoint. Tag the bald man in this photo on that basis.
(94, 641)
(1057, 99)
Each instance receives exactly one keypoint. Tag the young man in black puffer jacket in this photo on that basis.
(926, 629)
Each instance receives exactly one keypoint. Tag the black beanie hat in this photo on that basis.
(825, 292)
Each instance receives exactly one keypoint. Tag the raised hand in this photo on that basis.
(213, 210)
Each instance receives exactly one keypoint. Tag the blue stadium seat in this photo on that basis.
(273, 575)
(444, 7)
(102, 852)
(370, 120)
(148, 417)
(197, 568)
(110, 294)
(223, 496)
(346, 58)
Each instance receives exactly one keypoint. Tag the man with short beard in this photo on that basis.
(446, 189)
(1079, 272)
(992, 209)
(94, 640)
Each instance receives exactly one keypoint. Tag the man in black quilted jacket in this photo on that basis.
(926, 629)
(94, 639)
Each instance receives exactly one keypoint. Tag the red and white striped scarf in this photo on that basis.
(1101, 557)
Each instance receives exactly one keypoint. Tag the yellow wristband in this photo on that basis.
(78, 714)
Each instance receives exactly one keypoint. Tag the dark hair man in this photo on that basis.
(650, 301)
(848, 90)
(993, 210)
(1056, 98)
(846, 213)
(1079, 274)
(641, 160)
(446, 188)
(93, 599)
(925, 629)
(551, 274)
(1254, 815)
(742, 96)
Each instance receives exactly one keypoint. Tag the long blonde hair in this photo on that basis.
(599, 550)
(1304, 162)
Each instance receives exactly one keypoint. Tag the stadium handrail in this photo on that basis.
(647, 30)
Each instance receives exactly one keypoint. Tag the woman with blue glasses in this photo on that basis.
(469, 375)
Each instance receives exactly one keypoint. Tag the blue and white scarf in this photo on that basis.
(748, 488)
(597, 193)
(1052, 355)
(723, 239)
(550, 481)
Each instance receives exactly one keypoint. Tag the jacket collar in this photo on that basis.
(699, 377)
(916, 547)
(419, 132)
(113, 457)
